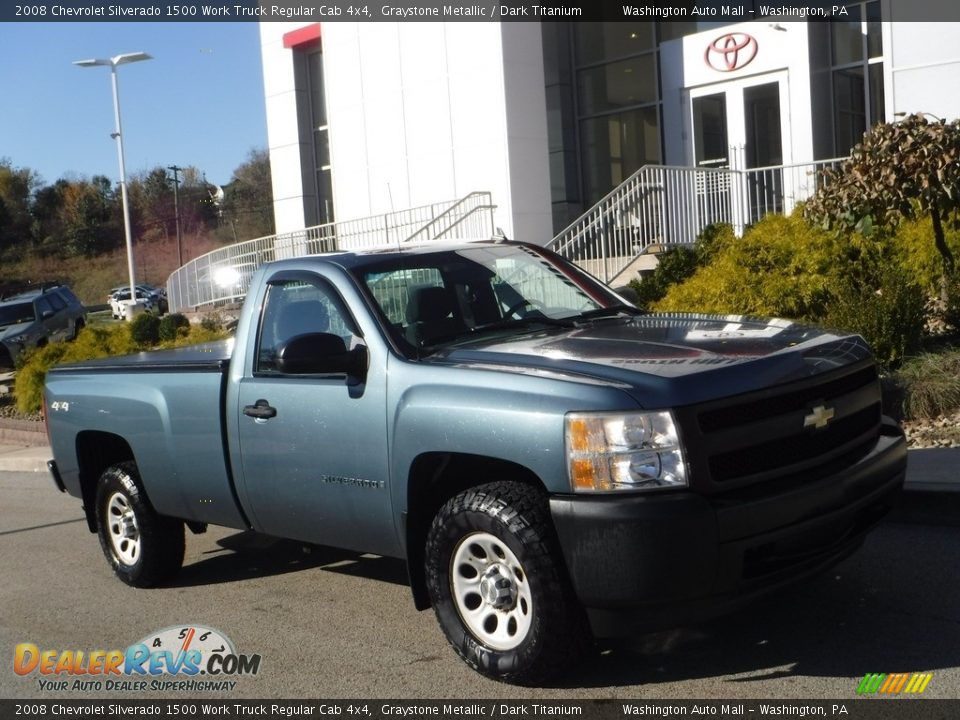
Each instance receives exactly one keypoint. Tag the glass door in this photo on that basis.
(742, 125)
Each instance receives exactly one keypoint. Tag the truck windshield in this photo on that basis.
(434, 299)
(16, 313)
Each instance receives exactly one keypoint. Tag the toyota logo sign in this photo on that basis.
(731, 52)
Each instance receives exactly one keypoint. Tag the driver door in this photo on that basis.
(314, 446)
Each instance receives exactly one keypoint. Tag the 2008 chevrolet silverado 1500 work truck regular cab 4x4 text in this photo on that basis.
(551, 463)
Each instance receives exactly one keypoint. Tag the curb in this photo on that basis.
(22, 432)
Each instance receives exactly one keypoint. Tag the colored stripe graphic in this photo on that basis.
(871, 683)
(894, 683)
(918, 683)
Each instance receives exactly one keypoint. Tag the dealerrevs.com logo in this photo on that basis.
(182, 658)
(894, 683)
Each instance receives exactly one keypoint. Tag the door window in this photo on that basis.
(55, 301)
(296, 307)
(761, 109)
(43, 306)
(710, 130)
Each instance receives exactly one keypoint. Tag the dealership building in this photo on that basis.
(370, 118)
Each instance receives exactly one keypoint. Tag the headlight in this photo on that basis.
(624, 451)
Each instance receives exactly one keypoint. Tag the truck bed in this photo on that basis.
(173, 425)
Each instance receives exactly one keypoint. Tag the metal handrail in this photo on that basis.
(454, 211)
(662, 205)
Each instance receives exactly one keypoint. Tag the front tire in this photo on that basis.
(498, 585)
(143, 548)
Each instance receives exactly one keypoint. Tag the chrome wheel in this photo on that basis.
(124, 532)
(491, 591)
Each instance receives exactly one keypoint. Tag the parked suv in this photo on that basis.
(35, 317)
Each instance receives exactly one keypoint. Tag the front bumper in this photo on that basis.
(645, 562)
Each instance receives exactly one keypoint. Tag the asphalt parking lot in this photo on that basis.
(332, 624)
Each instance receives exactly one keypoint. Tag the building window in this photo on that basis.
(616, 146)
(618, 102)
(856, 49)
(561, 123)
(314, 134)
(320, 139)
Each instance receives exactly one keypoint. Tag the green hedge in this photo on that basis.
(877, 286)
(173, 326)
(890, 316)
(781, 266)
(678, 264)
(145, 329)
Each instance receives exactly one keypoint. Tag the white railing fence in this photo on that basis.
(660, 206)
(223, 276)
(471, 217)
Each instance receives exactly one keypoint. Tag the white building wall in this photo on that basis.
(418, 113)
(282, 129)
(923, 73)
(424, 112)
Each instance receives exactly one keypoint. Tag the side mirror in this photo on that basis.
(321, 354)
(46, 315)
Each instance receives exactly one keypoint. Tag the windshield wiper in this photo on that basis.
(518, 323)
(610, 311)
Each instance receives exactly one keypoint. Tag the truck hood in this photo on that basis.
(666, 360)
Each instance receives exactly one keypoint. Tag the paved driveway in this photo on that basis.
(334, 624)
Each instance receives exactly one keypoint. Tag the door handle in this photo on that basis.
(260, 410)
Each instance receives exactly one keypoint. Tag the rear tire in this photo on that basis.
(143, 548)
(498, 585)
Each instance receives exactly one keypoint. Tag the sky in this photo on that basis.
(199, 101)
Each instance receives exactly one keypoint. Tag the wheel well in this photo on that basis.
(96, 451)
(435, 478)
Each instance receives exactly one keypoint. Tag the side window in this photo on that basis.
(43, 306)
(67, 295)
(294, 308)
(55, 301)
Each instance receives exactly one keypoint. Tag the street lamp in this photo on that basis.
(176, 209)
(117, 135)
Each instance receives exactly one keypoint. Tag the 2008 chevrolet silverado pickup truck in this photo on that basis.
(550, 462)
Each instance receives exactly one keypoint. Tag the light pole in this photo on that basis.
(176, 210)
(117, 135)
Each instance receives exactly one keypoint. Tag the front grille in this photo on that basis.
(764, 437)
(793, 449)
(6, 360)
(763, 408)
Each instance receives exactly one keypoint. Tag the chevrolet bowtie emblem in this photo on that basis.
(818, 417)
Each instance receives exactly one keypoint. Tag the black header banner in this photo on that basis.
(476, 11)
(359, 709)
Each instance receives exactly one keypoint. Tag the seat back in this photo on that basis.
(431, 314)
